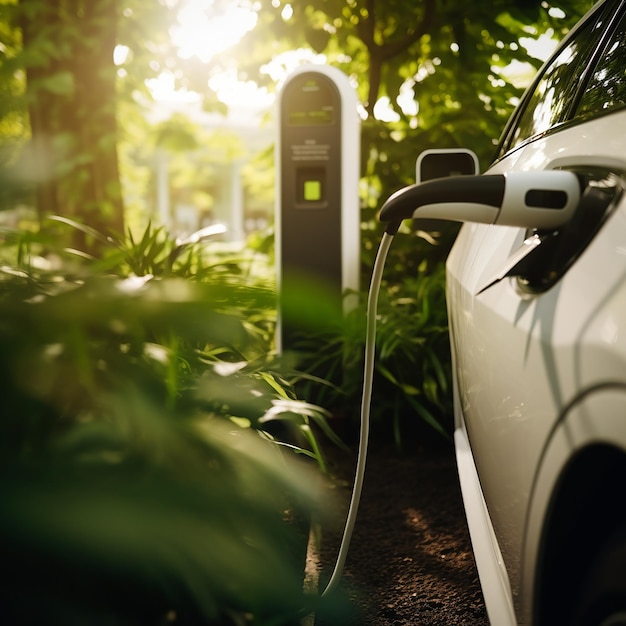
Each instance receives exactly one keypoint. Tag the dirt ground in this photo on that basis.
(410, 560)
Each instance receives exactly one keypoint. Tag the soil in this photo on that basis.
(410, 560)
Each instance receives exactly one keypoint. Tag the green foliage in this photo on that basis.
(138, 481)
(412, 382)
(444, 56)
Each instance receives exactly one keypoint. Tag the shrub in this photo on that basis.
(412, 383)
(133, 489)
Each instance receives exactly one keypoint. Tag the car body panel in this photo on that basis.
(596, 416)
(494, 579)
(567, 340)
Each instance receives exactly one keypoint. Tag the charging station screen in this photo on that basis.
(312, 190)
(311, 103)
(310, 183)
(311, 118)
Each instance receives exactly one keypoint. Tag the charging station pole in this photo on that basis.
(317, 219)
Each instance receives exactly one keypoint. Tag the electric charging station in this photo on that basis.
(317, 222)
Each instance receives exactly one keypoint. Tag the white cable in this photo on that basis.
(368, 375)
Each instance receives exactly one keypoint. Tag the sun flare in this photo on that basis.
(204, 31)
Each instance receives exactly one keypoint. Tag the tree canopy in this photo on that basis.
(73, 73)
(439, 65)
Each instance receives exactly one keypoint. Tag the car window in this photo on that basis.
(554, 91)
(607, 87)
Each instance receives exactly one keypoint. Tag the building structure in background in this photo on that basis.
(218, 192)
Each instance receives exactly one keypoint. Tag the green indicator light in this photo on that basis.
(312, 190)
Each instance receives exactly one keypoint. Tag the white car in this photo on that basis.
(536, 289)
(538, 334)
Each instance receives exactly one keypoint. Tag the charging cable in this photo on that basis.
(368, 376)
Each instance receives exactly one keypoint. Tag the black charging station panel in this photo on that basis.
(310, 191)
(310, 180)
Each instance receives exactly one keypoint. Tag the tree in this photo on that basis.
(67, 54)
(66, 94)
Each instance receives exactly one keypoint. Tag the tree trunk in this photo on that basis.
(72, 111)
(41, 105)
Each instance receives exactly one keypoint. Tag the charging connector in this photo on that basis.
(543, 200)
